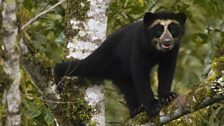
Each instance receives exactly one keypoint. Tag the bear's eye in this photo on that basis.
(174, 29)
(158, 30)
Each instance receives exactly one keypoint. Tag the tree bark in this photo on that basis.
(90, 31)
(9, 32)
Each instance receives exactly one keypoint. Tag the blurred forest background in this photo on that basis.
(203, 41)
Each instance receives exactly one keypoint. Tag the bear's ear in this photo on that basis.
(149, 18)
(181, 17)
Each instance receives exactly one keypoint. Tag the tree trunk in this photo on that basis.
(10, 63)
(86, 30)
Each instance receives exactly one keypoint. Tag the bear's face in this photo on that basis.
(165, 29)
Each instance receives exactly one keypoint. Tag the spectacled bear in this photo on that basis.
(127, 57)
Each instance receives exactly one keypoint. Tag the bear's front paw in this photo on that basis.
(168, 98)
(154, 108)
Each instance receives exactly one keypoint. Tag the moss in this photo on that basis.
(195, 119)
(79, 112)
(5, 80)
(142, 118)
(193, 102)
(217, 66)
(138, 119)
(199, 95)
(77, 9)
(193, 99)
(202, 93)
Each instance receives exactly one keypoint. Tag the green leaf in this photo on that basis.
(49, 118)
(33, 109)
(32, 114)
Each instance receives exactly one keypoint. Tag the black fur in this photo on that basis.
(127, 57)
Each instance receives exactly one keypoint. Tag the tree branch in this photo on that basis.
(179, 112)
(41, 14)
(194, 101)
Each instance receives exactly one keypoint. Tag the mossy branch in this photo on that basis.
(194, 101)
(212, 92)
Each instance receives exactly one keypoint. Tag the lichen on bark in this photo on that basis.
(77, 9)
(85, 31)
(10, 62)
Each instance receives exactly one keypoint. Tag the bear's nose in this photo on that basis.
(167, 40)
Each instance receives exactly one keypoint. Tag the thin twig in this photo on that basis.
(48, 100)
(41, 14)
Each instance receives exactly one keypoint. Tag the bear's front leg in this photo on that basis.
(141, 79)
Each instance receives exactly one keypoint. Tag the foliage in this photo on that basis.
(46, 43)
(34, 111)
(45, 36)
(40, 111)
(203, 38)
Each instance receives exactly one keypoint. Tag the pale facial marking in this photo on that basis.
(166, 35)
(163, 22)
